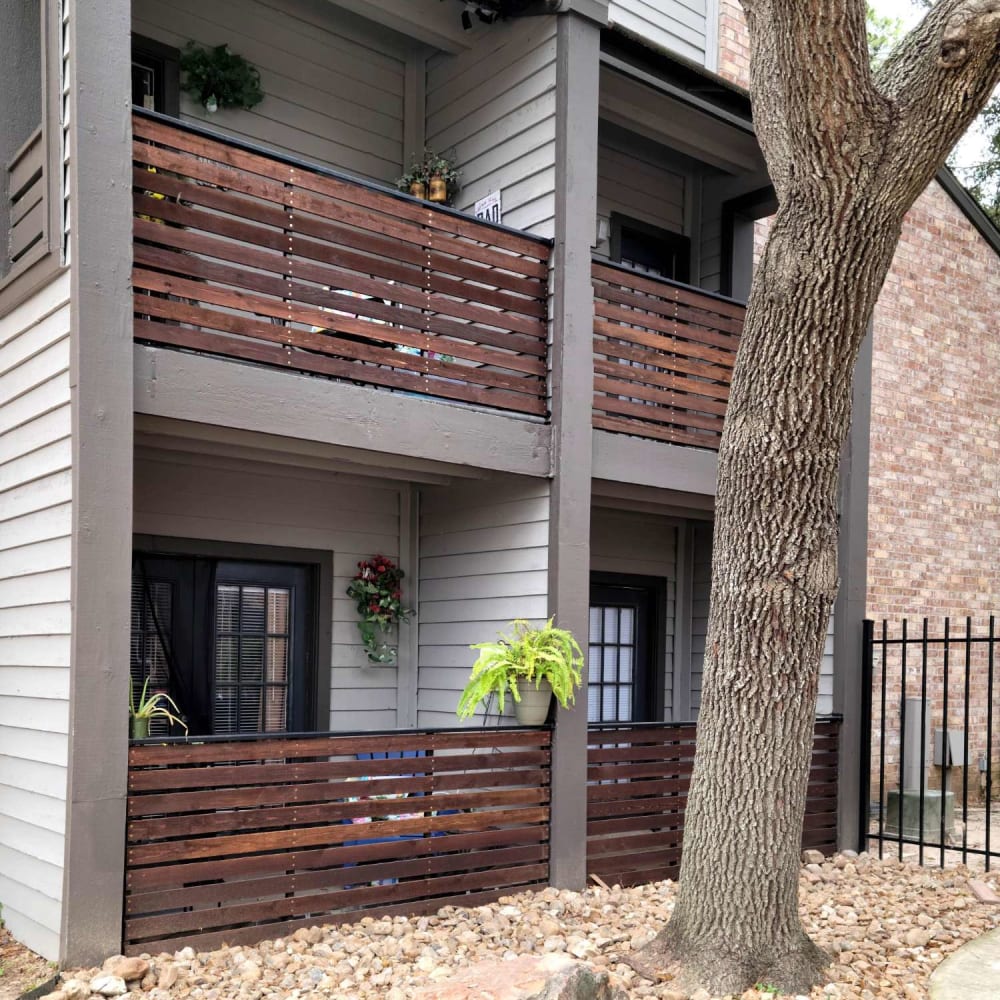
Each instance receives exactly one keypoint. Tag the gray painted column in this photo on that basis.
(572, 377)
(849, 610)
(101, 381)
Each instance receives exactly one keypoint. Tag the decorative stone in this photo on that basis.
(554, 977)
(169, 975)
(108, 986)
(129, 969)
(76, 989)
(813, 857)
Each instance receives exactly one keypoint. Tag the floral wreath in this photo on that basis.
(376, 590)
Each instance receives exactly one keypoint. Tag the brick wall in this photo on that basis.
(934, 500)
(734, 43)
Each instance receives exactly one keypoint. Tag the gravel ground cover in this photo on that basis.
(887, 926)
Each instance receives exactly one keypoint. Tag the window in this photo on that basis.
(231, 641)
(625, 654)
(30, 149)
(648, 248)
(155, 76)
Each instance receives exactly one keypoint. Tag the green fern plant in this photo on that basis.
(530, 654)
(219, 78)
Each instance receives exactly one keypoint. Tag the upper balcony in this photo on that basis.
(253, 256)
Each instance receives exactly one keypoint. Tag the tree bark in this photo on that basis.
(848, 154)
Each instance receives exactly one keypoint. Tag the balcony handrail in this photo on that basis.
(686, 724)
(627, 269)
(281, 156)
(319, 734)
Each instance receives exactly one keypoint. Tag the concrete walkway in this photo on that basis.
(972, 973)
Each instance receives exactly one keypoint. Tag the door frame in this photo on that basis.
(320, 655)
(657, 587)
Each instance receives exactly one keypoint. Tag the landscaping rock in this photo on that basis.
(128, 969)
(108, 986)
(551, 978)
(887, 925)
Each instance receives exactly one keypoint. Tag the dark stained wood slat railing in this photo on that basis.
(637, 785)
(238, 841)
(257, 258)
(663, 357)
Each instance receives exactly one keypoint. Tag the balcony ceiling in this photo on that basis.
(668, 120)
(428, 21)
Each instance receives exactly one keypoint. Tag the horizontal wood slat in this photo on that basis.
(238, 840)
(663, 357)
(637, 784)
(252, 257)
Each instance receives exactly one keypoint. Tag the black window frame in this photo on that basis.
(648, 701)
(165, 58)
(677, 244)
(319, 641)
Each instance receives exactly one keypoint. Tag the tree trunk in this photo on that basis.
(847, 158)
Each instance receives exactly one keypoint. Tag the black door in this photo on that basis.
(232, 642)
(624, 658)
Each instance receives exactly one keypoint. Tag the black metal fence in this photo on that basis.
(930, 755)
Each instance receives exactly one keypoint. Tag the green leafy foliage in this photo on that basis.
(153, 706)
(883, 33)
(430, 164)
(219, 78)
(528, 653)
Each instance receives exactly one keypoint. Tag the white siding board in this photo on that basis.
(495, 106)
(42, 682)
(48, 491)
(49, 525)
(30, 651)
(35, 369)
(19, 897)
(49, 427)
(288, 507)
(48, 395)
(37, 464)
(47, 879)
(502, 551)
(35, 619)
(35, 554)
(34, 776)
(27, 745)
(33, 588)
(46, 813)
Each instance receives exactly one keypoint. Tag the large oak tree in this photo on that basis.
(849, 150)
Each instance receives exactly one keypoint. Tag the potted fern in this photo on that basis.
(533, 664)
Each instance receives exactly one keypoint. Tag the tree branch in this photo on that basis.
(937, 79)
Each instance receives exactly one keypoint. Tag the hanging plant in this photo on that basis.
(376, 590)
(219, 78)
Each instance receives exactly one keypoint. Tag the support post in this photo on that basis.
(849, 609)
(572, 378)
(100, 224)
